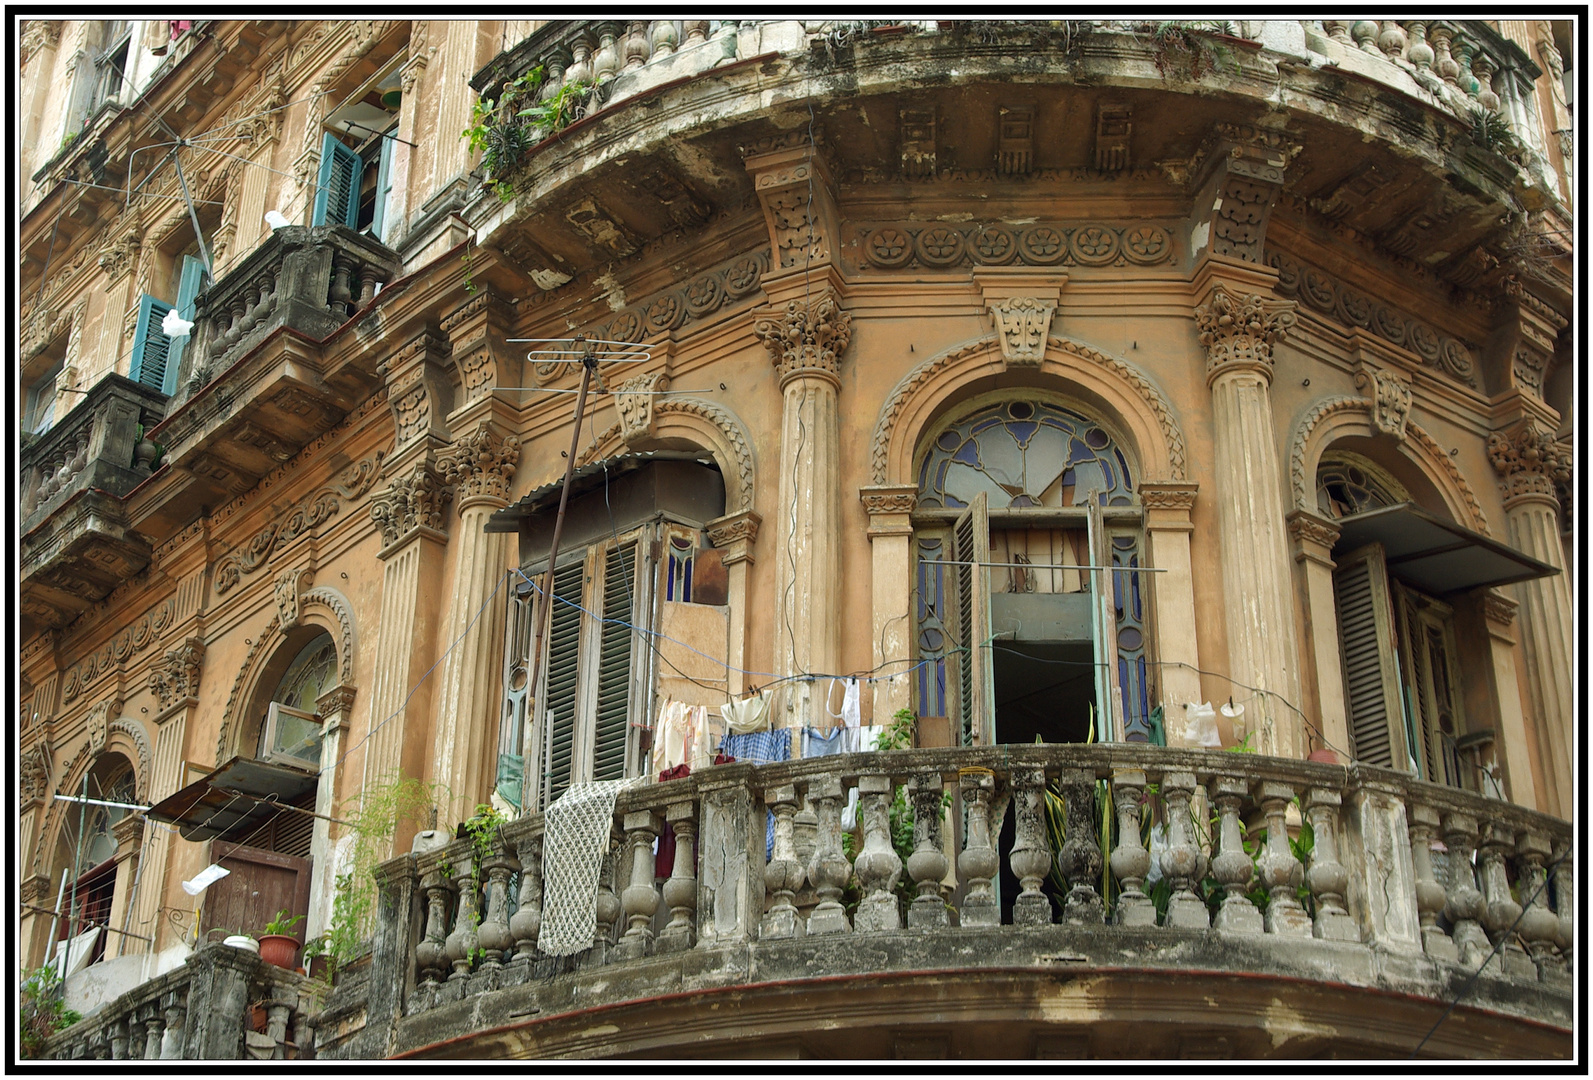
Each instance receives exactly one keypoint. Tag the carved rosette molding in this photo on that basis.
(480, 465)
(1320, 292)
(175, 676)
(896, 246)
(1390, 396)
(1528, 460)
(1022, 325)
(735, 535)
(717, 415)
(135, 638)
(808, 338)
(419, 498)
(634, 399)
(913, 381)
(1239, 331)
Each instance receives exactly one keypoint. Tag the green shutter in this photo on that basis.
(384, 187)
(151, 346)
(188, 287)
(337, 188)
(614, 665)
(564, 674)
(1371, 668)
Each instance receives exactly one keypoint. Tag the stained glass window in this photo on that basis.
(1349, 484)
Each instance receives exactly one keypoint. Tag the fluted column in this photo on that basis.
(806, 341)
(174, 680)
(1238, 330)
(734, 535)
(1511, 746)
(1168, 506)
(480, 467)
(1528, 462)
(1311, 539)
(890, 535)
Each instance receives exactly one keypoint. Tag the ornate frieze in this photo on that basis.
(1022, 325)
(419, 498)
(175, 676)
(808, 337)
(1528, 460)
(1164, 496)
(735, 534)
(634, 398)
(1322, 293)
(318, 507)
(889, 499)
(939, 246)
(1390, 396)
(117, 258)
(480, 465)
(134, 638)
(1239, 330)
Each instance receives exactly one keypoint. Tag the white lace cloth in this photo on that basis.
(575, 839)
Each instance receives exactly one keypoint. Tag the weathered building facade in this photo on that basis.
(1048, 377)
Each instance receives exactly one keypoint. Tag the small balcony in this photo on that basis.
(76, 541)
(1263, 906)
(221, 1004)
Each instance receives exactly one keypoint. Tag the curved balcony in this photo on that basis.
(1302, 909)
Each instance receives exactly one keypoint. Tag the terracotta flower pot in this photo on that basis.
(279, 949)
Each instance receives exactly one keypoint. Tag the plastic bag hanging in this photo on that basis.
(1200, 725)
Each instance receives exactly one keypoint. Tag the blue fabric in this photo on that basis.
(816, 743)
(760, 748)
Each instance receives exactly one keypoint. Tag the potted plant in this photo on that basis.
(277, 944)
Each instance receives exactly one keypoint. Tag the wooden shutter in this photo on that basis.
(517, 641)
(1103, 630)
(1428, 649)
(337, 188)
(188, 288)
(971, 675)
(151, 346)
(384, 187)
(1368, 641)
(614, 665)
(563, 679)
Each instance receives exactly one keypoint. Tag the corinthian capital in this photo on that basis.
(176, 675)
(1239, 330)
(481, 465)
(808, 337)
(416, 499)
(1529, 461)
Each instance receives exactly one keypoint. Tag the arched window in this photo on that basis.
(291, 733)
(87, 849)
(1018, 502)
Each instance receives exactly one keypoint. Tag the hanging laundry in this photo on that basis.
(575, 839)
(851, 714)
(816, 743)
(759, 747)
(747, 715)
(681, 735)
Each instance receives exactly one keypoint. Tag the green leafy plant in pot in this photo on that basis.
(277, 944)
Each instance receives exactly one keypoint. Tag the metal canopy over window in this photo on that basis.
(1434, 555)
(236, 798)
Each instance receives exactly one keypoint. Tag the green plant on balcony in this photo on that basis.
(506, 128)
(43, 1012)
(1184, 50)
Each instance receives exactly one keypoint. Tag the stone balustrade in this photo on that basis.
(308, 279)
(96, 445)
(205, 1009)
(1394, 868)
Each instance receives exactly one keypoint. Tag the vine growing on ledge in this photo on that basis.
(506, 128)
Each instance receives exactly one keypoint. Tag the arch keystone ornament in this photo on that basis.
(1390, 397)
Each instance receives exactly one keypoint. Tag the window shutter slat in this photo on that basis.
(151, 346)
(563, 679)
(614, 665)
(188, 288)
(1370, 667)
(384, 187)
(337, 187)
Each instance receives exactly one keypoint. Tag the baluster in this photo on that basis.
(696, 31)
(1030, 858)
(176, 1010)
(1565, 901)
(1484, 67)
(783, 876)
(580, 69)
(1129, 860)
(154, 1028)
(1429, 894)
(1080, 857)
(606, 60)
(1365, 34)
(526, 922)
(251, 310)
(119, 1039)
(235, 310)
(608, 911)
(1463, 906)
(680, 891)
(1392, 40)
(463, 942)
(1232, 866)
(878, 866)
(664, 36)
(277, 1028)
(1181, 860)
(1465, 79)
(338, 296)
(1338, 30)
(1444, 64)
(368, 284)
(556, 63)
(829, 870)
(431, 954)
(494, 934)
(639, 900)
(1281, 873)
(928, 864)
(1539, 928)
(637, 46)
(1327, 876)
(979, 863)
(1501, 910)
(1420, 54)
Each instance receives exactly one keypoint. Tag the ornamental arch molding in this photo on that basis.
(705, 424)
(1126, 394)
(1334, 419)
(322, 608)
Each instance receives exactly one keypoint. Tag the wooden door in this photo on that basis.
(261, 884)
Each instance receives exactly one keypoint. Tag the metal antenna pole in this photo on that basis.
(193, 216)
(545, 606)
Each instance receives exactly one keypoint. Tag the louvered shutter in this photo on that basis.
(614, 665)
(384, 187)
(188, 288)
(517, 637)
(151, 346)
(971, 675)
(337, 188)
(563, 677)
(1371, 662)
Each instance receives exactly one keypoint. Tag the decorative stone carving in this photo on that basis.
(735, 435)
(135, 638)
(735, 535)
(1306, 527)
(481, 465)
(416, 499)
(119, 257)
(98, 722)
(808, 338)
(1113, 126)
(938, 246)
(176, 675)
(1390, 396)
(1248, 173)
(1239, 330)
(286, 590)
(1023, 323)
(890, 500)
(1153, 496)
(634, 399)
(38, 34)
(316, 508)
(1015, 140)
(1528, 460)
(35, 772)
(918, 142)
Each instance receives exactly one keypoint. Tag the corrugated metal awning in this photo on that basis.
(585, 478)
(230, 798)
(1434, 555)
